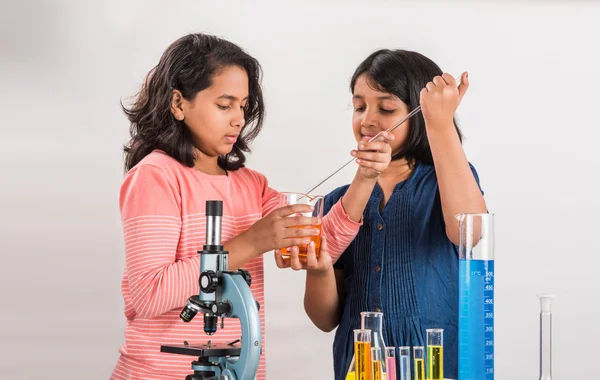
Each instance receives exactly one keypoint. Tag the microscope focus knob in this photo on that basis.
(209, 281)
(221, 308)
(246, 276)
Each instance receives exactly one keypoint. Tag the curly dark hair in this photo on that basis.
(189, 65)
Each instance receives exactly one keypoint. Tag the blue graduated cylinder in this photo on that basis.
(476, 320)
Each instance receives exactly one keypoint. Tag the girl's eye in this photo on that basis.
(359, 109)
(223, 107)
(383, 110)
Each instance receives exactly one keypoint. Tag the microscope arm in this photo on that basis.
(237, 292)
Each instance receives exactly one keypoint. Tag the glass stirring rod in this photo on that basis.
(374, 138)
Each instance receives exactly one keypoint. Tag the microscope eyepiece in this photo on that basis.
(214, 213)
(214, 208)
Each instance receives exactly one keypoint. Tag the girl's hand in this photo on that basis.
(311, 264)
(440, 99)
(276, 229)
(373, 157)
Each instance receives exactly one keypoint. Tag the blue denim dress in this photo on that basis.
(402, 264)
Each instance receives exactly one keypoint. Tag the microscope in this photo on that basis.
(224, 294)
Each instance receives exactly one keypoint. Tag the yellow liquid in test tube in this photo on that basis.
(351, 376)
(364, 368)
(435, 359)
(377, 372)
(419, 369)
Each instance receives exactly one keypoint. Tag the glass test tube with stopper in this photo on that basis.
(404, 363)
(390, 361)
(362, 354)
(546, 337)
(377, 362)
(435, 354)
(419, 362)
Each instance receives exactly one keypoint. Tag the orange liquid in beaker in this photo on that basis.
(302, 249)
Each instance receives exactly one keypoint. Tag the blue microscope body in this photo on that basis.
(224, 294)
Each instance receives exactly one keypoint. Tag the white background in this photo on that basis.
(530, 120)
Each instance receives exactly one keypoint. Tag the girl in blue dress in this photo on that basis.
(404, 260)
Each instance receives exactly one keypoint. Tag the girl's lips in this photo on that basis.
(231, 139)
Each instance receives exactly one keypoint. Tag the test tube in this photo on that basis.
(377, 365)
(404, 363)
(362, 354)
(390, 362)
(546, 336)
(435, 354)
(419, 360)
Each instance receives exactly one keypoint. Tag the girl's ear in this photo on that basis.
(177, 105)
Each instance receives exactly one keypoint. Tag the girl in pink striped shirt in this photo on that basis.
(191, 125)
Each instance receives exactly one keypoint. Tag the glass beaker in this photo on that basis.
(476, 297)
(315, 201)
(373, 321)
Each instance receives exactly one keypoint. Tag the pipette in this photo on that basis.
(374, 138)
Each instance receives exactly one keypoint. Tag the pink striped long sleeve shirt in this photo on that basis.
(162, 206)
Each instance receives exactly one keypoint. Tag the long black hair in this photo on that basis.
(404, 74)
(189, 65)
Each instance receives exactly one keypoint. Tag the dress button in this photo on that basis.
(378, 310)
(380, 226)
(377, 268)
